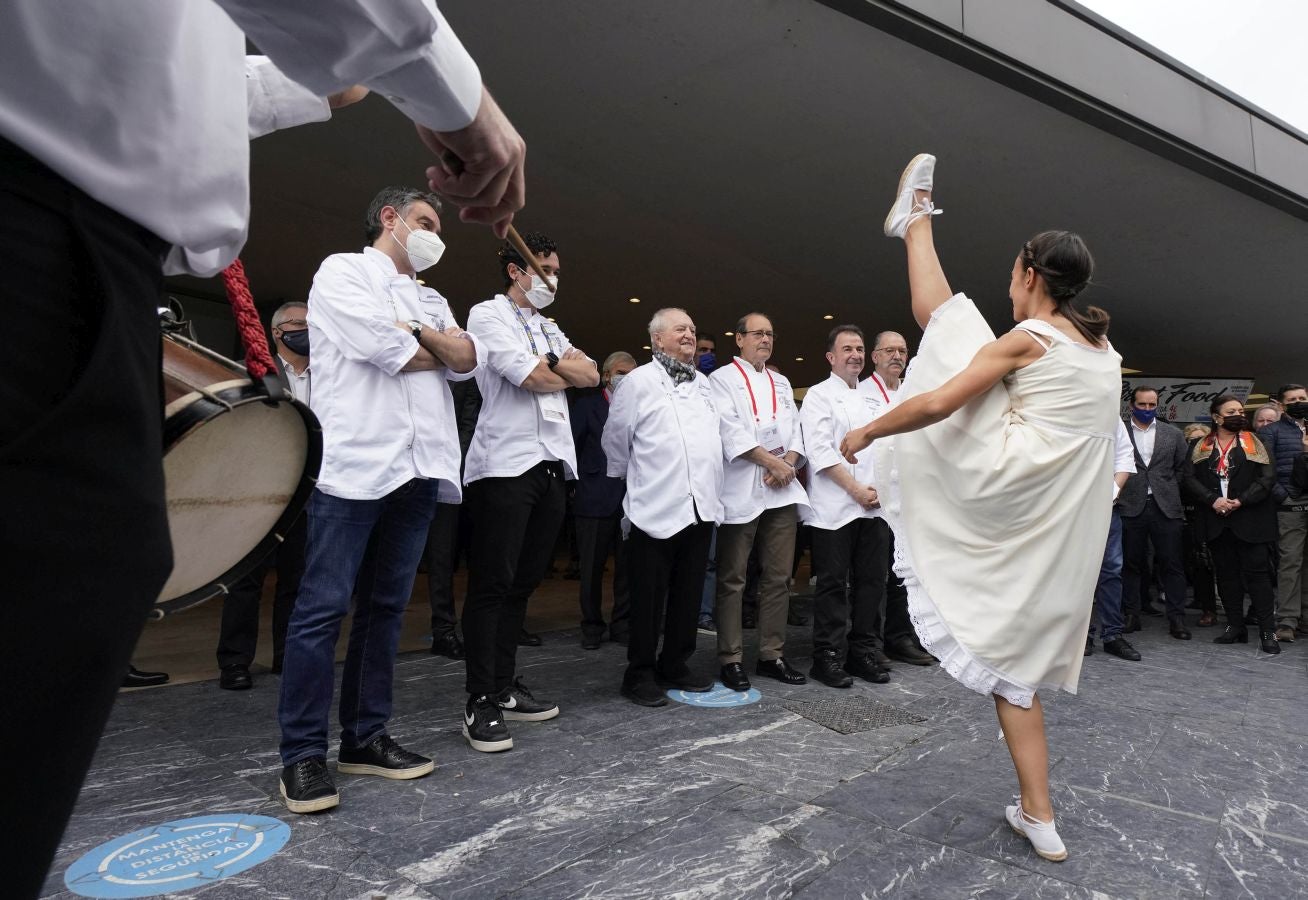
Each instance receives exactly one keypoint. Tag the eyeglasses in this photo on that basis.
(760, 333)
(286, 322)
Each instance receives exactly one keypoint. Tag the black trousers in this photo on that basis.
(84, 533)
(898, 624)
(850, 618)
(440, 555)
(1242, 566)
(1165, 534)
(672, 568)
(1198, 569)
(597, 539)
(515, 524)
(238, 635)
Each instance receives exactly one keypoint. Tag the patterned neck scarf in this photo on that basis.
(681, 372)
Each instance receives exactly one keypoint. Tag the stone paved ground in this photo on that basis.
(1184, 775)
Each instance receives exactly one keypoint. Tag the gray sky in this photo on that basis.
(1255, 48)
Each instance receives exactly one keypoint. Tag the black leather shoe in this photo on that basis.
(733, 676)
(527, 639)
(1176, 628)
(1089, 646)
(687, 681)
(307, 786)
(136, 678)
(905, 649)
(646, 693)
(826, 669)
(1121, 649)
(447, 645)
(1269, 643)
(794, 618)
(590, 641)
(1131, 624)
(383, 757)
(868, 667)
(780, 670)
(235, 678)
(1233, 636)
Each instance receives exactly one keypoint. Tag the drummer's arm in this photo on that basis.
(991, 363)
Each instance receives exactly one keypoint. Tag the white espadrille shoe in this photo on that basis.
(917, 176)
(1042, 835)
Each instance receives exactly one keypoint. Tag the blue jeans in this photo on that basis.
(339, 533)
(710, 596)
(1108, 592)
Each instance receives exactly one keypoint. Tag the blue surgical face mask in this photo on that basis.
(1144, 416)
(707, 362)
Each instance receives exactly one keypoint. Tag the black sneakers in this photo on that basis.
(518, 705)
(645, 693)
(826, 669)
(1120, 648)
(383, 757)
(307, 786)
(447, 645)
(483, 725)
(868, 667)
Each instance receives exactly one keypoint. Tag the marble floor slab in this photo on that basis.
(1182, 776)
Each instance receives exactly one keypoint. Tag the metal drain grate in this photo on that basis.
(853, 715)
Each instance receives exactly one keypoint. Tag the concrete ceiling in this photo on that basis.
(740, 155)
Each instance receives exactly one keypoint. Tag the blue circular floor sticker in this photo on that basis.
(721, 696)
(175, 856)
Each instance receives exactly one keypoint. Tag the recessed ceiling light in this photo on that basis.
(828, 316)
(634, 300)
(728, 333)
(645, 347)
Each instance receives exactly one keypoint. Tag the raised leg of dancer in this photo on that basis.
(927, 284)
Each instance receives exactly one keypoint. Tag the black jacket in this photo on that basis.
(597, 495)
(1166, 469)
(1250, 482)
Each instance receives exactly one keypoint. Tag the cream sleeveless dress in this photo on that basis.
(1002, 510)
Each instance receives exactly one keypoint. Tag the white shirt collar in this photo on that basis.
(1135, 423)
(840, 382)
(383, 262)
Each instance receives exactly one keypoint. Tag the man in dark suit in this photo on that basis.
(598, 508)
(1150, 504)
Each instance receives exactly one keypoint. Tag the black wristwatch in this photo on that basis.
(416, 328)
(552, 360)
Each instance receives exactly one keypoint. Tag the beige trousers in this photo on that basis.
(774, 533)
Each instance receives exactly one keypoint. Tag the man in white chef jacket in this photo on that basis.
(850, 535)
(762, 448)
(521, 454)
(662, 437)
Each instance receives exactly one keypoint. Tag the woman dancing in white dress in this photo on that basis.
(998, 482)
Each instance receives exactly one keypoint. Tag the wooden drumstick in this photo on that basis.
(525, 252)
(454, 165)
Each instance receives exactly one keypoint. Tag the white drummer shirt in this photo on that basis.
(663, 439)
(757, 409)
(381, 426)
(517, 428)
(831, 410)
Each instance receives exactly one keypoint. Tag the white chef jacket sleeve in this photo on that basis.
(276, 102)
(795, 440)
(738, 436)
(411, 56)
(343, 306)
(1123, 452)
(616, 440)
(450, 374)
(817, 424)
(505, 352)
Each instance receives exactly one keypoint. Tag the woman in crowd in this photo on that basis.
(1004, 452)
(1230, 481)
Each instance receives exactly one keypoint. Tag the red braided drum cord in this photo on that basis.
(258, 359)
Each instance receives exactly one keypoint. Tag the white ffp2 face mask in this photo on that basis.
(424, 248)
(539, 294)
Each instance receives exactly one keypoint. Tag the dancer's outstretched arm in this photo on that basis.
(991, 363)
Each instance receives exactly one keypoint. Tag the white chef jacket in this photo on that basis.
(1123, 454)
(751, 405)
(663, 439)
(381, 427)
(142, 105)
(831, 410)
(517, 428)
(875, 387)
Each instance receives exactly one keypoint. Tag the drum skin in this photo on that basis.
(238, 469)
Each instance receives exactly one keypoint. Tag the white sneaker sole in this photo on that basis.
(894, 207)
(1058, 856)
(487, 746)
(396, 774)
(515, 715)
(308, 806)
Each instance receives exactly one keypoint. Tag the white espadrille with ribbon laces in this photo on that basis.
(918, 175)
(1042, 835)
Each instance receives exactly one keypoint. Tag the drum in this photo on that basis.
(238, 466)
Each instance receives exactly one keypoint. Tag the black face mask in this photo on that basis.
(1235, 423)
(297, 341)
(1297, 410)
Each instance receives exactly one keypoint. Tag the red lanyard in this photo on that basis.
(608, 398)
(880, 387)
(750, 388)
(1222, 453)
